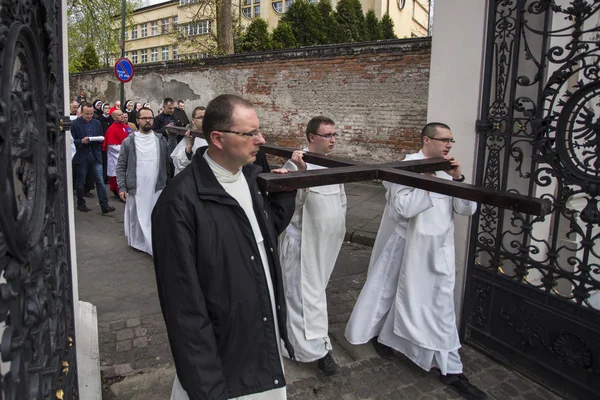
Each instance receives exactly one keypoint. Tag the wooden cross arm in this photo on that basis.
(272, 182)
(507, 200)
(426, 165)
(179, 130)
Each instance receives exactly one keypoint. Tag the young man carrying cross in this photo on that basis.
(309, 249)
(407, 303)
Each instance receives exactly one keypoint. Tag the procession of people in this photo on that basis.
(242, 273)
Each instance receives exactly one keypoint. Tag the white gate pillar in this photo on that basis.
(456, 76)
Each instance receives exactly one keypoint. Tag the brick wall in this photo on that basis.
(375, 92)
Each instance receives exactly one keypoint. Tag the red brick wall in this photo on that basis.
(375, 92)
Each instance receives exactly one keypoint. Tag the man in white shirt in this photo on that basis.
(407, 303)
(309, 248)
(141, 177)
(182, 155)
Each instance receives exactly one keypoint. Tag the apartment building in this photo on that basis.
(157, 29)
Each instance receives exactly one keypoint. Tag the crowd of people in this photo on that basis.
(242, 274)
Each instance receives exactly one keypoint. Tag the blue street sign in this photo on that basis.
(124, 70)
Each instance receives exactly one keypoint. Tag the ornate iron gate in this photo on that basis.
(36, 295)
(533, 286)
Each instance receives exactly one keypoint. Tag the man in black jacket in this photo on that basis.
(164, 119)
(219, 280)
(88, 137)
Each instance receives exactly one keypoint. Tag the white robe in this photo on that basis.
(408, 299)
(237, 187)
(180, 160)
(138, 207)
(112, 155)
(308, 250)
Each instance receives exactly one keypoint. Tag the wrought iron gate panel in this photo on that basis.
(533, 286)
(36, 293)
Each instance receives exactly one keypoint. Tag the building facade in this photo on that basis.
(155, 32)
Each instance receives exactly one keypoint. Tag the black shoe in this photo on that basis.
(83, 208)
(384, 351)
(89, 195)
(462, 385)
(328, 365)
(107, 209)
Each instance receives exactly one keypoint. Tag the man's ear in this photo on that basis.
(216, 138)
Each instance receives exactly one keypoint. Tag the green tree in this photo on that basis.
(88, 59)
(352, 20)
(96, 22)
(372, 26)
(256, 37)
(283, 36)
(306, 23)
(331, 27)
(387, 27)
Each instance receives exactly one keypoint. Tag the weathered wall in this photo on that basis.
(375, 92)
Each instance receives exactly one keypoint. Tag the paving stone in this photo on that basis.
(498, 373)
(140, 331)
(140, 342)
(424, 386)
(133, 322)
(521, 384)
(124, 346)
(117, 325)
(125, 334)
(533, 396)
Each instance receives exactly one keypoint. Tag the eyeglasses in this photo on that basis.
(327, 136)
(445, 140)
(146, 118)
(248, 134)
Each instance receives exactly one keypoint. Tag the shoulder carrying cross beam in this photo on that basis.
(402, 172)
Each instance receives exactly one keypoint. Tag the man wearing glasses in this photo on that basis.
(182, 155)
(217, 266)
(141, 177)
(309, 249)
(407, 303)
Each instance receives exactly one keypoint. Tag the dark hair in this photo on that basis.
(199, 108)
(180, 101)
(219, 113)
(431, 128)
(168, 100)
(86, 104)
(144, 108)
(315, 123)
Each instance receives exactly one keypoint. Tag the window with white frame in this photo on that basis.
(175, 53)
(144, 56)
(134, 58)
(165, 53)
(134, 32)
(144, 29)
(164, 26)
(154, 54)
(196, 28)
(251, 8)
(277, 6)
(184, 2)
(154, 28)
(175, 23)
(126, 34)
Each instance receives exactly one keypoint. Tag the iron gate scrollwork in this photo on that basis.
(533, 286)
(36, 296)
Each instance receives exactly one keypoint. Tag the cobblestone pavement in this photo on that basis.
(376, 378)
(133, 345)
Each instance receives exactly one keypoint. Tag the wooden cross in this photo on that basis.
(406, 173)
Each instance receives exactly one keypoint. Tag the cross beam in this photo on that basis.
(406, 173)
